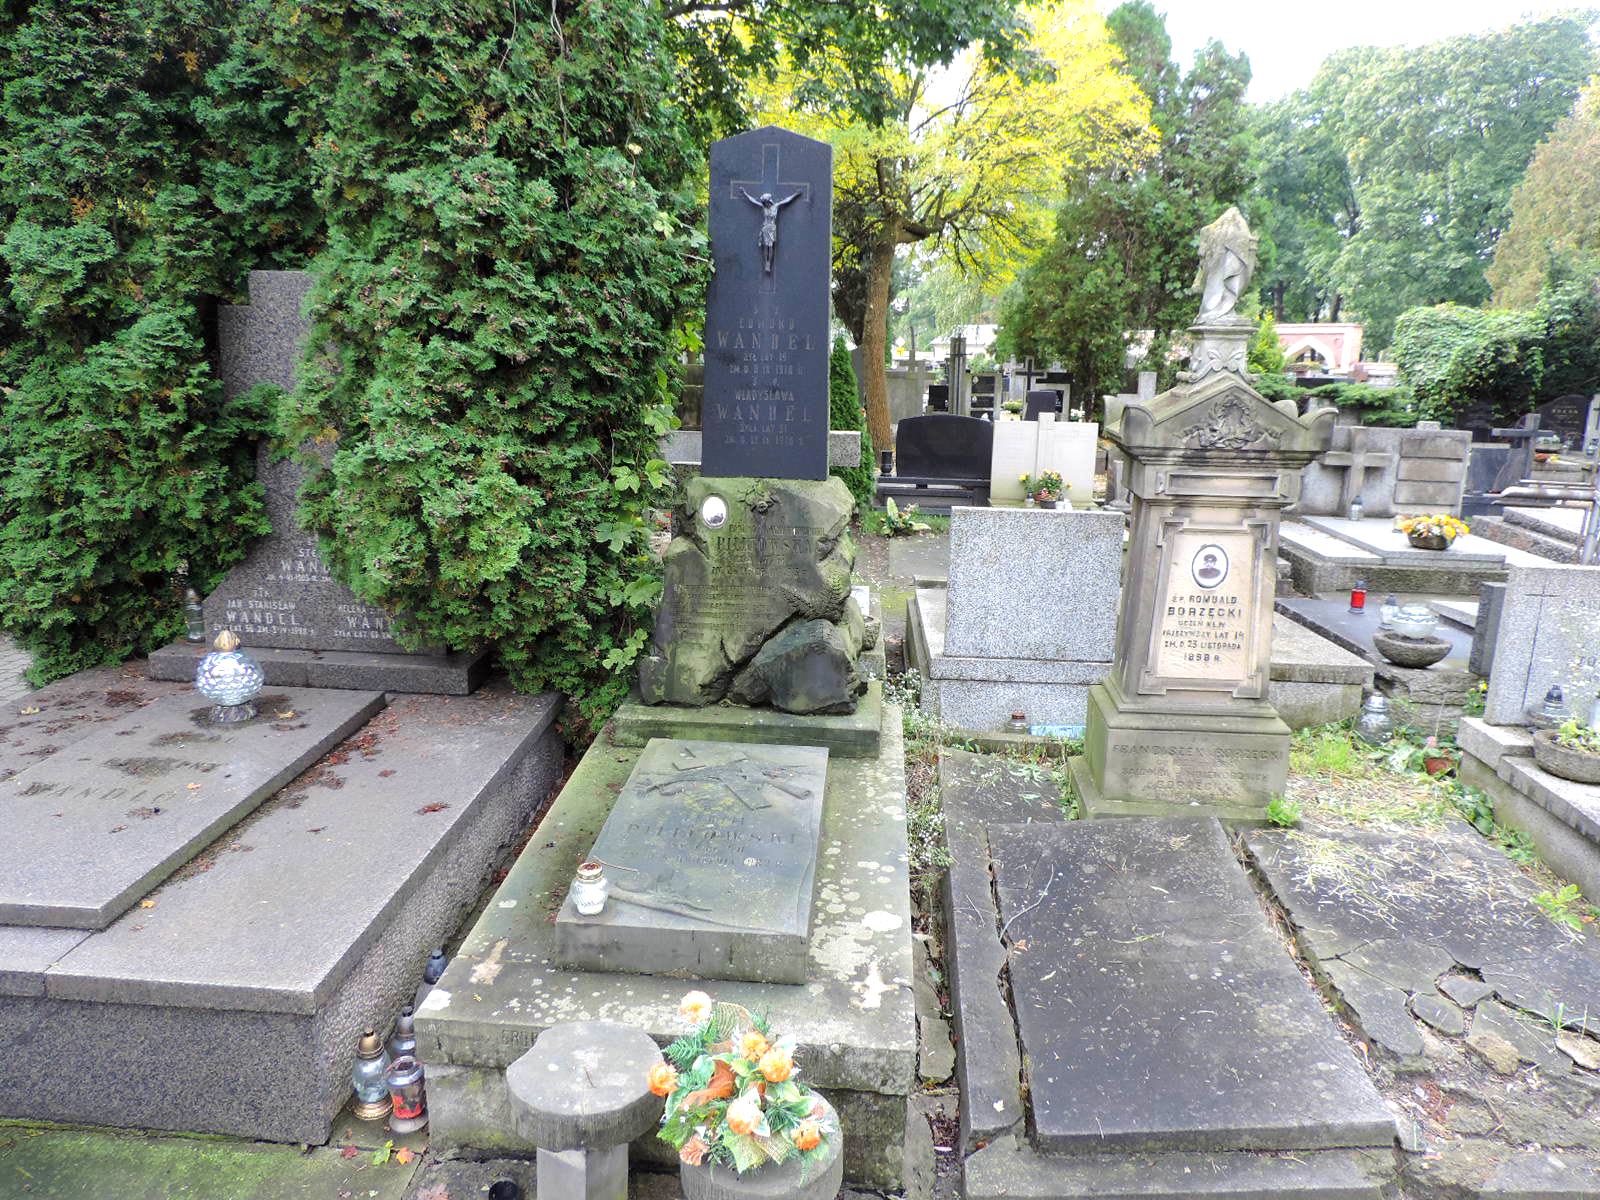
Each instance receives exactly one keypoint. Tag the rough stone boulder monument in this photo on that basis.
(756, 606)
(1182, 724)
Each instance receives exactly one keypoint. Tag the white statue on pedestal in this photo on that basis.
(1227, 260)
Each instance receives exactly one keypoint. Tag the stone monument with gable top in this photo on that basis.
(1182, 724)
(756, 606)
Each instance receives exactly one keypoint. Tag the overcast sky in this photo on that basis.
(1287, 39)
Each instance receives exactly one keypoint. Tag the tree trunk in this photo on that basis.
(1278, 290)
(875, 338)
(1338, 303)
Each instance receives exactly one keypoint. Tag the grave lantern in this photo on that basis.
(367, 1077)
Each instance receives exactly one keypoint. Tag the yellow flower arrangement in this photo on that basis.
(1432, 525)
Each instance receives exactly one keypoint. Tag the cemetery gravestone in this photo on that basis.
(1041, 400)
(1183, 722)
(1548, 633)
(1567, 417)
(711, 851)
(939, 397)
(756, 604)
(282, 596)
(765, 408)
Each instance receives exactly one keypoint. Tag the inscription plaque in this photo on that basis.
(1205, 619)
(765, 411)
(711, 853)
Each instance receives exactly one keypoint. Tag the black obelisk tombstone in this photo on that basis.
(766, 342)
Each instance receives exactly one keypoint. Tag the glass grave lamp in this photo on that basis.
(1387, 610)
(1358, 596)
(1551, 711)
(230, 679)
(369, 1078)
(1375, 726)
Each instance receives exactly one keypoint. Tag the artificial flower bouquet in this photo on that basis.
(1441, 525)
(732, 1097)
(1046, 485)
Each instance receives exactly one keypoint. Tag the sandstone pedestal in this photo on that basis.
(580, 1095)
(1183, 723)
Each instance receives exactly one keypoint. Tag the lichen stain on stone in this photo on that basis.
(487, 971)
(435, 1001)
(869, 991)
(881, 921)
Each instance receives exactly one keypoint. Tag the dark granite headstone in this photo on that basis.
(944, 446)
(711, 851)
(283, 595)
(1567, 416)
(1519, 464)
(765, 410)
(1041, 400)
(939, 397)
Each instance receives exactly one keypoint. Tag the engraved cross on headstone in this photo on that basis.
(770, 194)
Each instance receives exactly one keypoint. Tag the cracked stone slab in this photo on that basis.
(1157, 1009)
(1439, 1013)
(977, 791)
(1408, 907)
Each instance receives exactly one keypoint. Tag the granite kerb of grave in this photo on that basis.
(853, 1017)
(96, 825)
(271, 918)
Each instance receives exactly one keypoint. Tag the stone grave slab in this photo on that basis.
(854, 1018)
(843, 735)
(1406, 908)
(711, 850)
(264, 956)
(46, 721)
(1330, 616)
(1157, 1009)
(1380, 537)
(1549, 633)
(100, 823)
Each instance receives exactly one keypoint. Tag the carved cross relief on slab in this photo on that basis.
(765, 194)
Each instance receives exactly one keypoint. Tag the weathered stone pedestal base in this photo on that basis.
(1164, 764)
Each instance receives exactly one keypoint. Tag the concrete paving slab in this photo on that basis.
(95, 826)
(44, 1163)
(1157, 1010)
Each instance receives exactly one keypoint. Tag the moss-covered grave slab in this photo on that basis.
(853, 1017)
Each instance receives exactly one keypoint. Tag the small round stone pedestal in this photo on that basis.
(581, 1095)
(821, 1181)
(1409, 651)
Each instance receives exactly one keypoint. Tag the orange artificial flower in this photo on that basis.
(695, 1007)
(776, 1065)
(720, 1088)
(694, 1151)
(807, 1135)
(753, 1045)
(663, 1078)
(744, 1114)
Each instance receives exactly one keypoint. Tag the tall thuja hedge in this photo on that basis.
(508, 193)
(132, 150)
(845, 412)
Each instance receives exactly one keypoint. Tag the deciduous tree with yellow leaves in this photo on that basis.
(970, 160)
